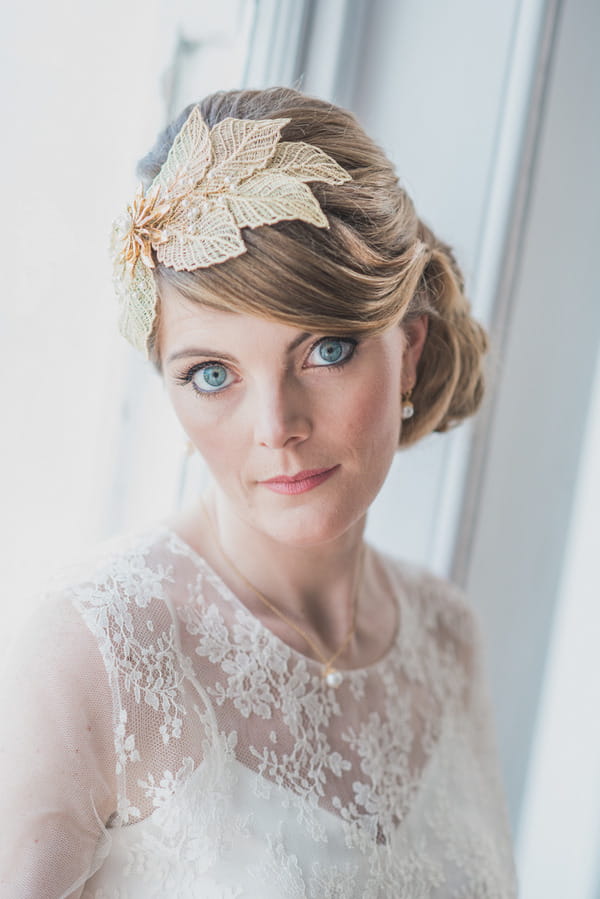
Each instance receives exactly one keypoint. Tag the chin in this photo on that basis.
(303, 527)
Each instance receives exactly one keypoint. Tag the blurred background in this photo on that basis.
(491, 112)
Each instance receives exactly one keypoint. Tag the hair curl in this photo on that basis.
(377, 264)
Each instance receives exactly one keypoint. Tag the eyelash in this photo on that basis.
(185, 377)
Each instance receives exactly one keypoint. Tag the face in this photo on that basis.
(298, 429)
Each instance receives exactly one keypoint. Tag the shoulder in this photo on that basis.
(124, 554)
(426, 587)
(122, 587)
(437, 606)
(51, 621)
(138, 566)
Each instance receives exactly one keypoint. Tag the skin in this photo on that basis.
(281, 411)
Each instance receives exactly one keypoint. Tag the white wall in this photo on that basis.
(70, 134)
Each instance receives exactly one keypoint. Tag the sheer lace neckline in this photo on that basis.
(228, 594)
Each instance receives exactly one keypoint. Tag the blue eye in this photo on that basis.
(332, 351)
(210, 378)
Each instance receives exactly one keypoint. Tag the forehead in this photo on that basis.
(188, 323)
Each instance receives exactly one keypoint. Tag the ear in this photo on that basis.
(415, 335)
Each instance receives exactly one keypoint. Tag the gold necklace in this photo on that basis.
(332, 676)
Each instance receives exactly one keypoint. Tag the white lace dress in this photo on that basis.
(157, 740)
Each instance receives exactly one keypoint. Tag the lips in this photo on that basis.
(301, 476)
(300, 482)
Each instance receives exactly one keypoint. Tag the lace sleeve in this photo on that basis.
(57, 756)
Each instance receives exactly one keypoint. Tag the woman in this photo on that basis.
(247, 700)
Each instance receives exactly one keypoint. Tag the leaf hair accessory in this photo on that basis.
(213, 183)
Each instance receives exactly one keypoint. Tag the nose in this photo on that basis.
(281, 416)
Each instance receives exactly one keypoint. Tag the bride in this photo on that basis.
(247, 699)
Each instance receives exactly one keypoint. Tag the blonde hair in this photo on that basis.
(378, 264)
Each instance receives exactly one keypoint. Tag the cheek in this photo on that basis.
(372, 411)
(208, 425)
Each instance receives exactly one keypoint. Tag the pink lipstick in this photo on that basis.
(301, 482)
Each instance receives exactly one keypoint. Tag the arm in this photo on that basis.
(57, 760)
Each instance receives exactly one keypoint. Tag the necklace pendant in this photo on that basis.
(333, 678)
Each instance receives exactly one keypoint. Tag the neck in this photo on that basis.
(315, 586)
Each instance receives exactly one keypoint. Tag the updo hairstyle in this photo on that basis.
(378, 263)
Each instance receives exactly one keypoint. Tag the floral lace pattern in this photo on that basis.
(241, 773)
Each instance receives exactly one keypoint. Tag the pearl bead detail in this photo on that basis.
(333, 678)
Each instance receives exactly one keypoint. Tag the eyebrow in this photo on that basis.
(202, 351)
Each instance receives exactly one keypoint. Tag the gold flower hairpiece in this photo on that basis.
(212, 184)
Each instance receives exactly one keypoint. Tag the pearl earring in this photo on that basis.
(408, 410)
